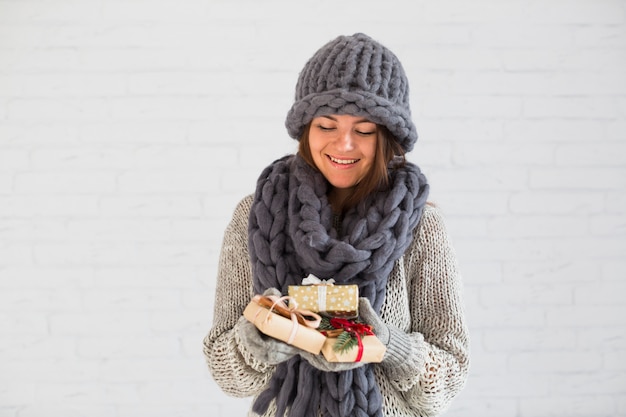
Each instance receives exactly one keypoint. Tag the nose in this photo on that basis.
(345, 141)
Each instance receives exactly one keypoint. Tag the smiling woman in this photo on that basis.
(350, 208)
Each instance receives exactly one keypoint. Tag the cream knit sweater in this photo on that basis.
(424, 299)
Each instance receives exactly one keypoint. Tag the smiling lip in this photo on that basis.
(342, 161)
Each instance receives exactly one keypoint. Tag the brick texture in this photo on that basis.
(129, 129)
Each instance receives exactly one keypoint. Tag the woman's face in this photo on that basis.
(343, 148)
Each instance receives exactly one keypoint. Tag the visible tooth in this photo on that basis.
(343, 161)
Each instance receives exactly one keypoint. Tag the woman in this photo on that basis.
(347, 206)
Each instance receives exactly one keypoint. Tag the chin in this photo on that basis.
(343, 185)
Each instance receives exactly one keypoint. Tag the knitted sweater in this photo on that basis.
(423, 299)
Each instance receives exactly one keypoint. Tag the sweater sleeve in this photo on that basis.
(235, 371)
(431, 365)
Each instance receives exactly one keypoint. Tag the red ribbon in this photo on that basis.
(355, 329)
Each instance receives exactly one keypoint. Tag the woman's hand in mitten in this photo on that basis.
(263, 348)
(399, 344)
(369, 316)
(272, 291)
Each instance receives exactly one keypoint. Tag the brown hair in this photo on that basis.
(387, 148)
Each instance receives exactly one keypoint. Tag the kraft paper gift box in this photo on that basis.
(267, 314)
(326, 297)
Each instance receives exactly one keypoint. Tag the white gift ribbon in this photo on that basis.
(321, 291)
(313, 280)
(297, 315)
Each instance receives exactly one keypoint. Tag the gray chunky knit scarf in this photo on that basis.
(291, 235)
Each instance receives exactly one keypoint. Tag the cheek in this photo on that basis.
(316, 147)
(315, 144)
(315, 150)
(370, 150)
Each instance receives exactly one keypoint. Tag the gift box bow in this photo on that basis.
(313, 280)
(353, 329)
(280, 306)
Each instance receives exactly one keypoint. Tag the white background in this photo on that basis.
(129, 129)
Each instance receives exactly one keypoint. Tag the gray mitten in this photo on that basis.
(398, 343)
(272, 291)
(369, 316)
(264, 348)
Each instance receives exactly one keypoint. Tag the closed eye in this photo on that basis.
(325, 128)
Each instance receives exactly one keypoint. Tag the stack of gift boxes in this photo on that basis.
(319, 317)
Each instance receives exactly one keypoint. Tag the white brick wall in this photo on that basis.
(130, 128)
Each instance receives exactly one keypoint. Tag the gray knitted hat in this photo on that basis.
(358, 76)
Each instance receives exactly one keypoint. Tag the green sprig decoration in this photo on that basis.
(345, 341)
(325, 324)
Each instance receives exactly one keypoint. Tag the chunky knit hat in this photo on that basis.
(358, 76)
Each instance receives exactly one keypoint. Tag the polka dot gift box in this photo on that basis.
(323, 296)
